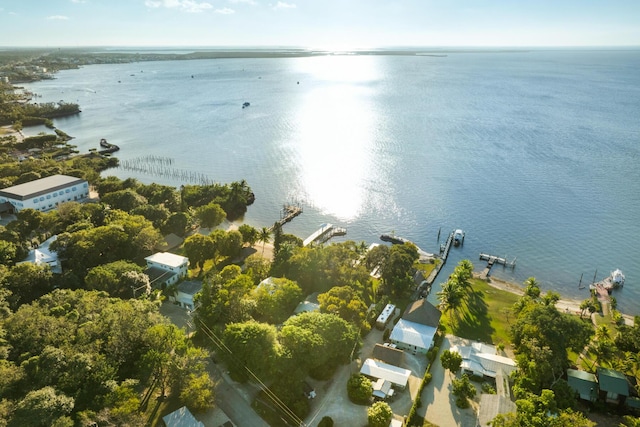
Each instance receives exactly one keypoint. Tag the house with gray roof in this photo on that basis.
(45, 194)
(417, 328)
(185, 292)
(388, 353)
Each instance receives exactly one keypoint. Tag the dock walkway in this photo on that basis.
(287, 213)
(491, 261)
(324, 233)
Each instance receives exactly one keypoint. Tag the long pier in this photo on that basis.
(324, 233)
(491, 261)
(428, 282)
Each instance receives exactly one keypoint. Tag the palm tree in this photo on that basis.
(532, 289)
(450, 298)
(603, 333)
(264, 236)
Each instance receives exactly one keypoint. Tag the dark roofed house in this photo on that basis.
(417, 328)
(584, 384)
(422, 312)
(388, 354)
(185, 293)
(614, 386)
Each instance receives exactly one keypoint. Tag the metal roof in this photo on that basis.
(40, 186)
(393, 374)
(168, 259)
(613, 381)
(414, 334)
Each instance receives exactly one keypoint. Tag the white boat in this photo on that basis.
(617, 278)
(458, 237)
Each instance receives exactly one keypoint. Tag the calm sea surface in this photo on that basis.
(534, 154)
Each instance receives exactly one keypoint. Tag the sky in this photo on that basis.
(320, 24)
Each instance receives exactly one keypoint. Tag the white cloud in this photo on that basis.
(184, 5)
(282, 5)
(78, 1)
(225, 11)
(57, 18)
(251, 2)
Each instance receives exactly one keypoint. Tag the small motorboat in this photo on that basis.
(246, 104)
(458, 237)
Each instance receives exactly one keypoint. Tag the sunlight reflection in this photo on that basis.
(336, 135)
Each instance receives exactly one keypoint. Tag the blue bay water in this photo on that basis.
(534, 154)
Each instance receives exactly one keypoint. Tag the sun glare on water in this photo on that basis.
(336, 135)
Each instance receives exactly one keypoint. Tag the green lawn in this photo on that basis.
(485, 316)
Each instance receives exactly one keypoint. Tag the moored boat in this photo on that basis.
(458, 237)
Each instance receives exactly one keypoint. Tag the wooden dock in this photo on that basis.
(324, 233)
(428, 282)
(491, 261)
(287, 213)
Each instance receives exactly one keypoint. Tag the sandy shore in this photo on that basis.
(564, 304)
(9, 131)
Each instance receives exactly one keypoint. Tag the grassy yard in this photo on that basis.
(485, 316)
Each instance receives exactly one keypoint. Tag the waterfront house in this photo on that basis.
(417, 328)
(584, 384)
(482, 360)
(45, 194)
(165, 268)
(614, 387)
(42, 255)
(185, 292)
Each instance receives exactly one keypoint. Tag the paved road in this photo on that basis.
(438, 404)
(233, 398)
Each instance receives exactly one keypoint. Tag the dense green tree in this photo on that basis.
(210, 215)
(275, 299)
(112, 278)
(249, 234)
(346, 303)
(199, 248)
(451, 360)
(257, 267)
(41, 408)
(379, 414)
(223, 298)
(198, 392)
(8, 252)
(463, 390)
(541, 411)
(177, 223)
(541, 336)
(359, 389)
(161, 195)
(320, 341)
(157, 214)
(252, 347)
(396, 272)
(27, 282)
(125, 200)
(231, 245)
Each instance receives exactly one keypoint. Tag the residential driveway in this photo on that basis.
(438, 404)
(332, 399)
